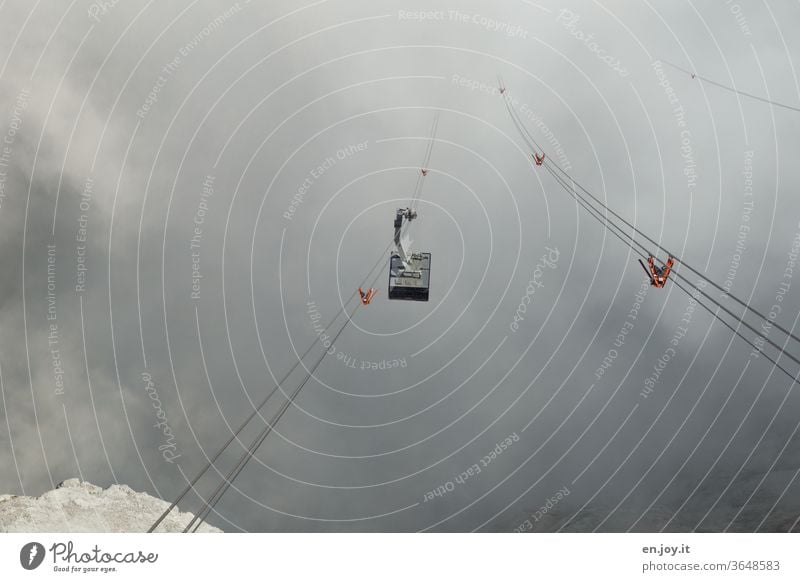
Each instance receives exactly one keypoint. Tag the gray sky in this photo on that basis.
(146, 103)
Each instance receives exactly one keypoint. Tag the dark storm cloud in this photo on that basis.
(246, 169)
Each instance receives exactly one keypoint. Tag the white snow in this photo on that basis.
(79, 506)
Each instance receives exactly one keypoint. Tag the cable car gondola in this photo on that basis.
(409, 273)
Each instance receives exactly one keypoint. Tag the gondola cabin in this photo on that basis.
(411, 283)
(409, 273)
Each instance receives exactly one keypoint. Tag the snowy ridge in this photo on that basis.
(79, 506)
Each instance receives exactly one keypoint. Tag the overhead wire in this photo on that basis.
(619, 233)
(426, 159)
(631, 241)
(793, 377)
(234, 472)
(732, 89)
(208, 505)
(746, 306)
(643, 253)
(244, 459)
(256, 410)
(255, 445)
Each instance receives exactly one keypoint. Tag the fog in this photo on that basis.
(190, 190)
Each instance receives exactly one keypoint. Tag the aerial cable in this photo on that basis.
(631, 241)
(715, 314)
(746, 324)
(529, 139)
(625, 237)
(736, 331)
(208, 506)
(426, 159)
(244, 459)
(523, 131)
(725, 293)
(565, 184)
(604, 219)
(254, 446)
(258, 408)
(233, 436)
(431, 141)
(719, 307)
(261, 437)
(731, 89)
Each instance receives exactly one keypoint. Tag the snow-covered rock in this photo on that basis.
(79, 506)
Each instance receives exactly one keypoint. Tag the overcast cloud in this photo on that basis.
(282, 137)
